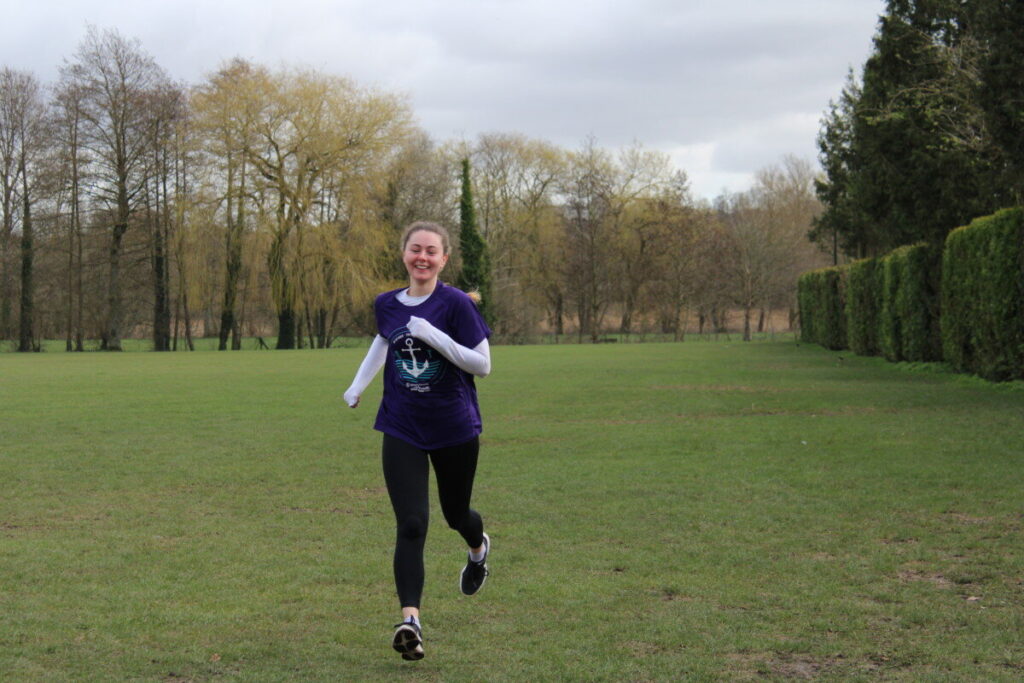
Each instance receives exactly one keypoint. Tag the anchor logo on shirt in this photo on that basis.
(415, 369)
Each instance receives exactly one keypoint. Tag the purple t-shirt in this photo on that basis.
(428, 401)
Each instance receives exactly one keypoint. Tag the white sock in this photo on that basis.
(478, 557)
(412, 619)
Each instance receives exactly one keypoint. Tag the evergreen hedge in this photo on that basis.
(821, 294)
(863, 306)
(919, 304)
(964, 304)
(890, 337)
(908, 326)
(983, 296)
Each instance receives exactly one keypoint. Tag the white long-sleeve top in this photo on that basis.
(476, 361)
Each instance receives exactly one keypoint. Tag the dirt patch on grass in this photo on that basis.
(641, 649)
(672, 595)
(784, 666)
(969, 519)
(801, 667)
(912, 575)
(900, 540)
(787, 666)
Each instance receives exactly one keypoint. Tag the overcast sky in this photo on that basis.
(725, 87)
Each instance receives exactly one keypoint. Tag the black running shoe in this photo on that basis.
(475, 573)
(408, 640)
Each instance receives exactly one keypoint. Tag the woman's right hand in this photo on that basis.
(351, 398)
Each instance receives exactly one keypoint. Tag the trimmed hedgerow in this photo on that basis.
(863, 306)
(908, 327)
(918, 303)
(890, 336)
(983, 296)
(964, 305)
(821, 295)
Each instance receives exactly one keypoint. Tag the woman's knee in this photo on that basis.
(456, 522)
(464, 522)
(412, 527)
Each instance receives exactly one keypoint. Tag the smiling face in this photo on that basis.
(424, 258)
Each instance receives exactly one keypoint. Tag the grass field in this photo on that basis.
(698, 511)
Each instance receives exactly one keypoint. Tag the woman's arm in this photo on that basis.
(476, 361)
(368, 369)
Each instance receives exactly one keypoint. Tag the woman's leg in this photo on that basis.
(406, 474)
(455, 469)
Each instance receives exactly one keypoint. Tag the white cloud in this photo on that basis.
(745, 78)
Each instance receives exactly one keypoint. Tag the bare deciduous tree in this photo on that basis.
(116, 80)
(22, 142)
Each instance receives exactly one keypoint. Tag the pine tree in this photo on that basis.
(476, 269)
(904, 154)
(996, 28)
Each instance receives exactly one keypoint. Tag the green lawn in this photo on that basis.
(702, 511)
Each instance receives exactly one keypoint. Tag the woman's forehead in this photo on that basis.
(424, 238)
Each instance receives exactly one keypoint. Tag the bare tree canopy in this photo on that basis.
(268, 202)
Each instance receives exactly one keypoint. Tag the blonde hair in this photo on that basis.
(427, 226)
(475, 296)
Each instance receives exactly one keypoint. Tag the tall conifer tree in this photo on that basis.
(476, 267)
(905, 157)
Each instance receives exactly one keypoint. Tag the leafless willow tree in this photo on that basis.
(226, 114)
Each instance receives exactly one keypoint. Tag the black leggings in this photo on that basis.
(406, 472)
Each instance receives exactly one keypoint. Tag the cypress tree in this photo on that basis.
(476, 269)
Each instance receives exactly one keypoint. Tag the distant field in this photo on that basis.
(700, 511)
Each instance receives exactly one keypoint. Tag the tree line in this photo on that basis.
(930, 134)
(269, 202)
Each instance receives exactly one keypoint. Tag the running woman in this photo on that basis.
(431, 341)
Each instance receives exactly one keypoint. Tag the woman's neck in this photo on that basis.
(424, 289)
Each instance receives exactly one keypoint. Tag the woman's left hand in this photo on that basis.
(419, 327)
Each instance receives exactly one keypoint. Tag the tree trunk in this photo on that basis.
(322, 330)
(6, 277)
(227, 324)
(79, 277)
(115, 312)
(177, 325)
(233, 263)
(626, 324)
(70, 284)
(682, 319)
(161, 295)
(25, 336)
(559, 315)
(286, 329)
(188, 320)
(69, 322)
(161, 303)
(280, 287)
